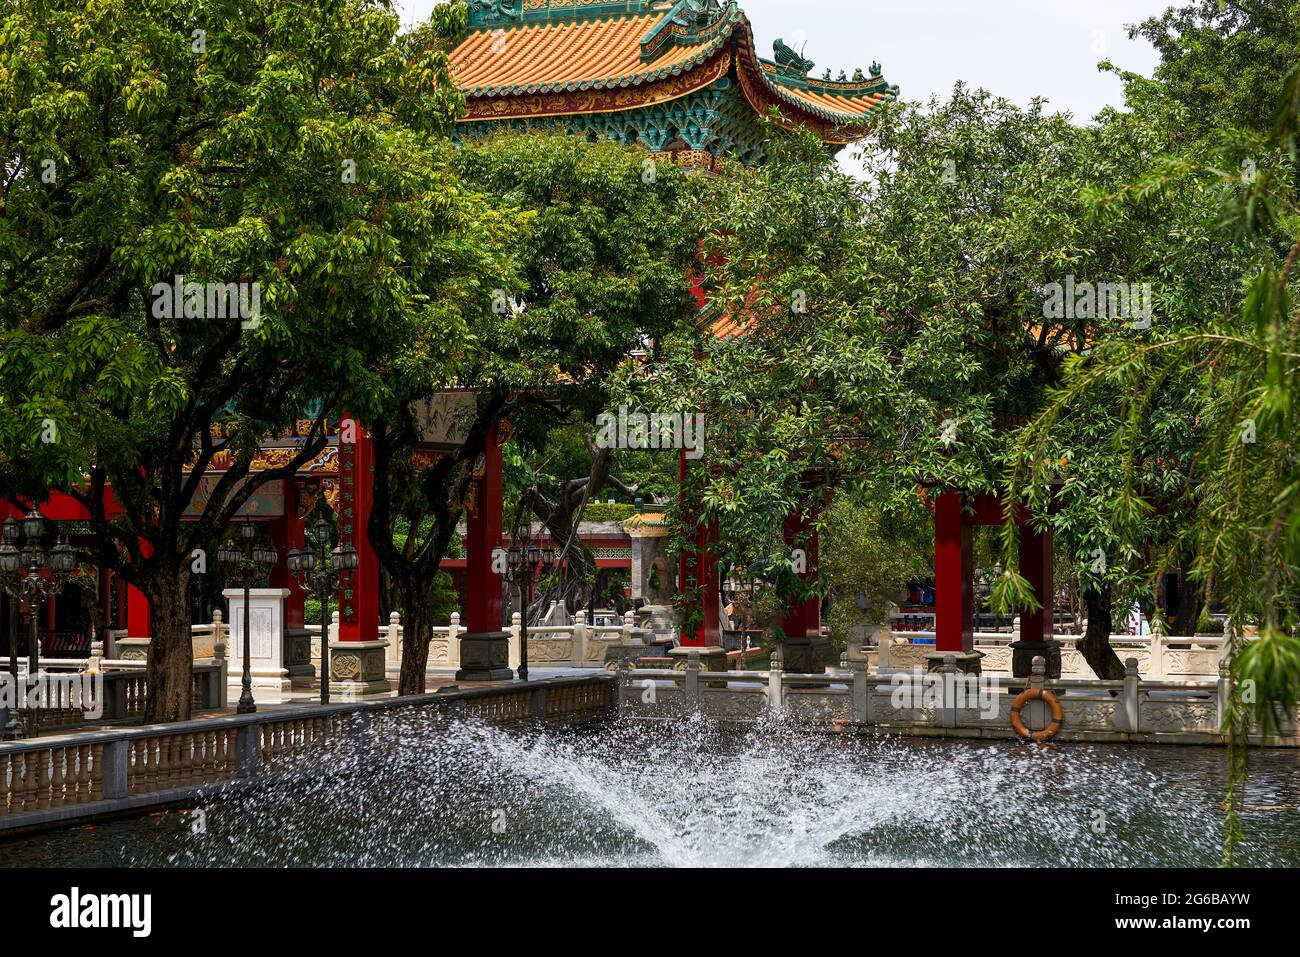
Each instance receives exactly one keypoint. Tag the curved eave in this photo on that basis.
(854, 93)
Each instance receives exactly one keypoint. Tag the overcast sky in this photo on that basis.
(1014, 48)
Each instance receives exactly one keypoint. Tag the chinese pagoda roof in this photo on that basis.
(537, 58)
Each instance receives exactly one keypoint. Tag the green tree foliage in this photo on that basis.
(282, 143)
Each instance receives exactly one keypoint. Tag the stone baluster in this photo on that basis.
(1223, 690)
(1156, 641)
(1127, 716)
(220, 631)
(516, 623)
(775, 686)
(883, 640)
(334, 628)
(692, 687)
(629, 627)
(579, 642)
(393, 635)
(453, 640)
(859, 666)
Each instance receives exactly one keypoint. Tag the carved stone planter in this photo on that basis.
(1023, 654)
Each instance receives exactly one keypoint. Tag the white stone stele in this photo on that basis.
(266, 645)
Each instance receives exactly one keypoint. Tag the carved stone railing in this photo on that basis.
(114, 689)
(1167, 656)
(49, 781)
(577, 645)
(911, 702)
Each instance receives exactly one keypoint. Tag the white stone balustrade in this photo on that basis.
(1158, 656)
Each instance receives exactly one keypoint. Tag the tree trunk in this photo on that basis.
(1095, 643)
(171, 651)
(416, 632)
(1184, 623)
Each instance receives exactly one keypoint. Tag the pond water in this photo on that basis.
(693, 794)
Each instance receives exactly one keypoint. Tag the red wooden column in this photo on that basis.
(358, 591)
(954, 602)
(698, 576)
(485, 645)
(1036, 566)
(482, 536)
(138, 620)
(805, 618)
(286, 533)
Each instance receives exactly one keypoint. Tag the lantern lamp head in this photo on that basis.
(320, 531)
(62, 558)
(247, 531)
(33, 525)
(10, 534)
(293, 561)
(307, 560)
(346, 558)
(10, 559)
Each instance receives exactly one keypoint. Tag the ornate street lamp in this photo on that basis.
(246, 562)
(44, 577)
(525, 563)
(317, 571)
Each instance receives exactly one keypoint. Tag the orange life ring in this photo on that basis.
(1030, 694)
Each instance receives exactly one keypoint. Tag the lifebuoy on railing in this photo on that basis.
(1049, 699)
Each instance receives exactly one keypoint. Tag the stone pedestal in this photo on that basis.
(357, 668)
(266, 643)
(712, 657)
(485, 656)
(1023, 654)
(297, 655)
(968, 662)
(806, 656)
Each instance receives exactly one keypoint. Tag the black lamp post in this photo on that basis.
(525, 563)
(244, 563)
(317, 571)
(33, 586)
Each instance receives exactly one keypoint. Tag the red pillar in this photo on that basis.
(138, 623)
(698, 575)
(482, 536)
(358, 591)
(954, 603)
(286, 533)
(1036, 566)
(805, 618)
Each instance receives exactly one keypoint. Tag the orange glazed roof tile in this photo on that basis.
(549, 57)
